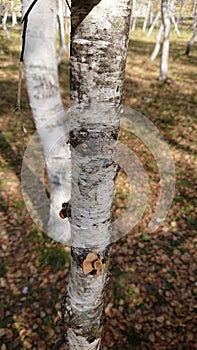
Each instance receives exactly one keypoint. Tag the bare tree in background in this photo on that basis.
(7, 9)
(191, 42)
(165, 12)
(4, 15)
(148, 11)
(164, 31)
(14, 17)
(63, 44)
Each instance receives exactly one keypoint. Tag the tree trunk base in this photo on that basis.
(165, 80)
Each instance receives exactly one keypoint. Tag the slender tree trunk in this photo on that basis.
(157, 43)
(133, 15)
(166, 44)
(151, 13)
(67, 28)
(175, 24)
(134, 21)
(147, 16)
(154, 24)
(180, 12)
(14, 18)
(191, 42)
(98, 55)
(48, 112)
(4, 21)
(60, 20)
(172, 7)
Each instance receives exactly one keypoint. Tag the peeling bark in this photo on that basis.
(99, 44)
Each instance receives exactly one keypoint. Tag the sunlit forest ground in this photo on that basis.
(150, 298)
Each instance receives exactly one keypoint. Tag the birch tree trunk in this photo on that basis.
(4, 20)
(147, 16)
(191, 42)
(60, 20)
(48, 112)
(99, 41)
(154, 24)
(133, 15)
(67, 27)
(157, 43)
(166, 44)
(175, 24)
(14, 18)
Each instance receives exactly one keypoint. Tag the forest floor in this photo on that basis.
(150, 301)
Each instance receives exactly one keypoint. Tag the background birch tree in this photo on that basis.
(165, 13)
(62, 25)
(164, 31)
(50, 118)
(191, 42)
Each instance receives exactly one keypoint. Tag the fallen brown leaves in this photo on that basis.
(150, 301)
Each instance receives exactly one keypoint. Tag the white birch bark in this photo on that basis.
(48, 112)
(147, 16)
(172, 8)
(67, 28)
(175, 24)
(60, 20)
(14, 18)
(180, 12)
(157, 43)
(154, 24)
(134, 23)
(98, 55)
(166, 43)
(133, 16)
(151, 13)
(4, 20)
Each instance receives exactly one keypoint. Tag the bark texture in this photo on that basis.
(47, 108)
(98, 55)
